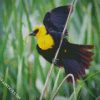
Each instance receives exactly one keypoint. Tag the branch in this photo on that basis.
(62, 83)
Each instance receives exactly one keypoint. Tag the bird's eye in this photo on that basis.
(36, 31)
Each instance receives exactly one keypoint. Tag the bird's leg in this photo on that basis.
(55, 61)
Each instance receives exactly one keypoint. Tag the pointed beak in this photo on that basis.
(32, 33)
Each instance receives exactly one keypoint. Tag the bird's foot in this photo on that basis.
(55, 61)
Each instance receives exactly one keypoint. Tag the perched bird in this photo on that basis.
(74, 58)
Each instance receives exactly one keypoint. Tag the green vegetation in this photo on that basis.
(24, 70)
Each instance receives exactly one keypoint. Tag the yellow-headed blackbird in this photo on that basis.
(75, 58)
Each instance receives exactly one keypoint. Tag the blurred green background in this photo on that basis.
(24, 70)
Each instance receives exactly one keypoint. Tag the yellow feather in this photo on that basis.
(44, 40)
(42, 31)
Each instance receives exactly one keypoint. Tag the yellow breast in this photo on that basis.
(45, 42)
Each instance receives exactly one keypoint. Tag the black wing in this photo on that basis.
(55, 20)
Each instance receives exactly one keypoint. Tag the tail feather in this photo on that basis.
(73, 67)
(80, 60)
(83, 46)
(85, 57)
(84, 54)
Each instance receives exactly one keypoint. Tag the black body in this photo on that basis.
(74, 58)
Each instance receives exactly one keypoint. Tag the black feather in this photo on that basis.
(55, 20)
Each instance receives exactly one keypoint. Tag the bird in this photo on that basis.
(74, 58)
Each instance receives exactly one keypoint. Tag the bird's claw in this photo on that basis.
(55, 61)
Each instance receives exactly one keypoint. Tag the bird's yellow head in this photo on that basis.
(39, 31)
(44, 40)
